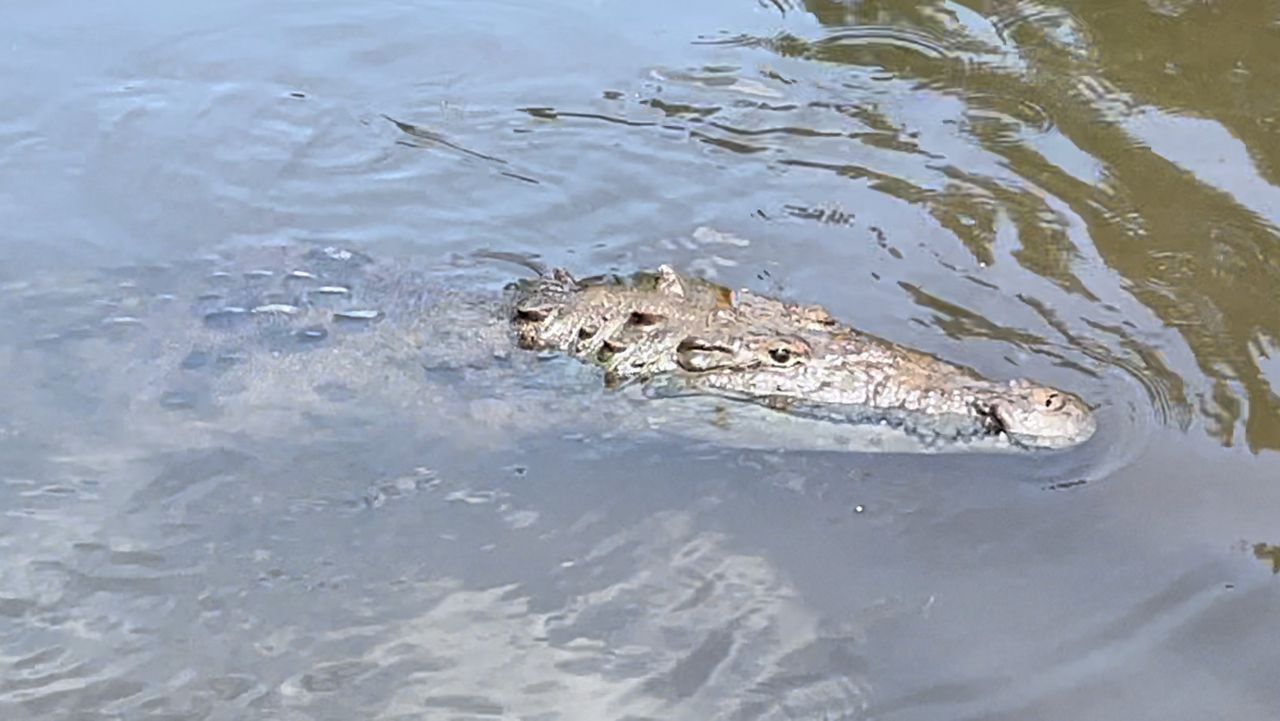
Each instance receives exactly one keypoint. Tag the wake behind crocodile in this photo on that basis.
(297, 338)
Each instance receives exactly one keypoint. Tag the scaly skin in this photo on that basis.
(687, 335)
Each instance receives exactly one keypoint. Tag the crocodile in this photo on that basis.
(695, 336)
(288, 330)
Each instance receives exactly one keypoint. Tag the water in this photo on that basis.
(1084, 193)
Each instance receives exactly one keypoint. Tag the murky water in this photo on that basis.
(1084, 193)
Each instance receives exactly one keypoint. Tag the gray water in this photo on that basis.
(1084, 193)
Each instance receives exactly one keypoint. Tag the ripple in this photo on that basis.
(430, 138)
(1056, 23)
(718, 79)
(681, 110)
(836, 43)
(548, 113)
(1104, 97)
(917, 41)
(1007, 121)
(966, 168)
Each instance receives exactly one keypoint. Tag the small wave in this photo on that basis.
(1164, 389)
(871, 35)
(1059, 23)
(790, 45)
(718, 78)
(1011, 118)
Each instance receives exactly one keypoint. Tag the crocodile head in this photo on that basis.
(686, 335)
(841, 375)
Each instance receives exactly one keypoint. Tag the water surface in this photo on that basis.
(1083, 193)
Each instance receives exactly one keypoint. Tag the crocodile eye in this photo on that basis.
(1054, 401)
(787, 354)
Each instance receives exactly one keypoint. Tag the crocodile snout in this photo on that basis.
(1042, 417)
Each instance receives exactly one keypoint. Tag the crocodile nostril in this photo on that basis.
(992, 421)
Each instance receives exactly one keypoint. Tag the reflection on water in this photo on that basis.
(1039, 149)
(1269, 554)
(1183, 204)
(403, 519)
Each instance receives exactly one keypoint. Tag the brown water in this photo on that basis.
(1083, 193)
